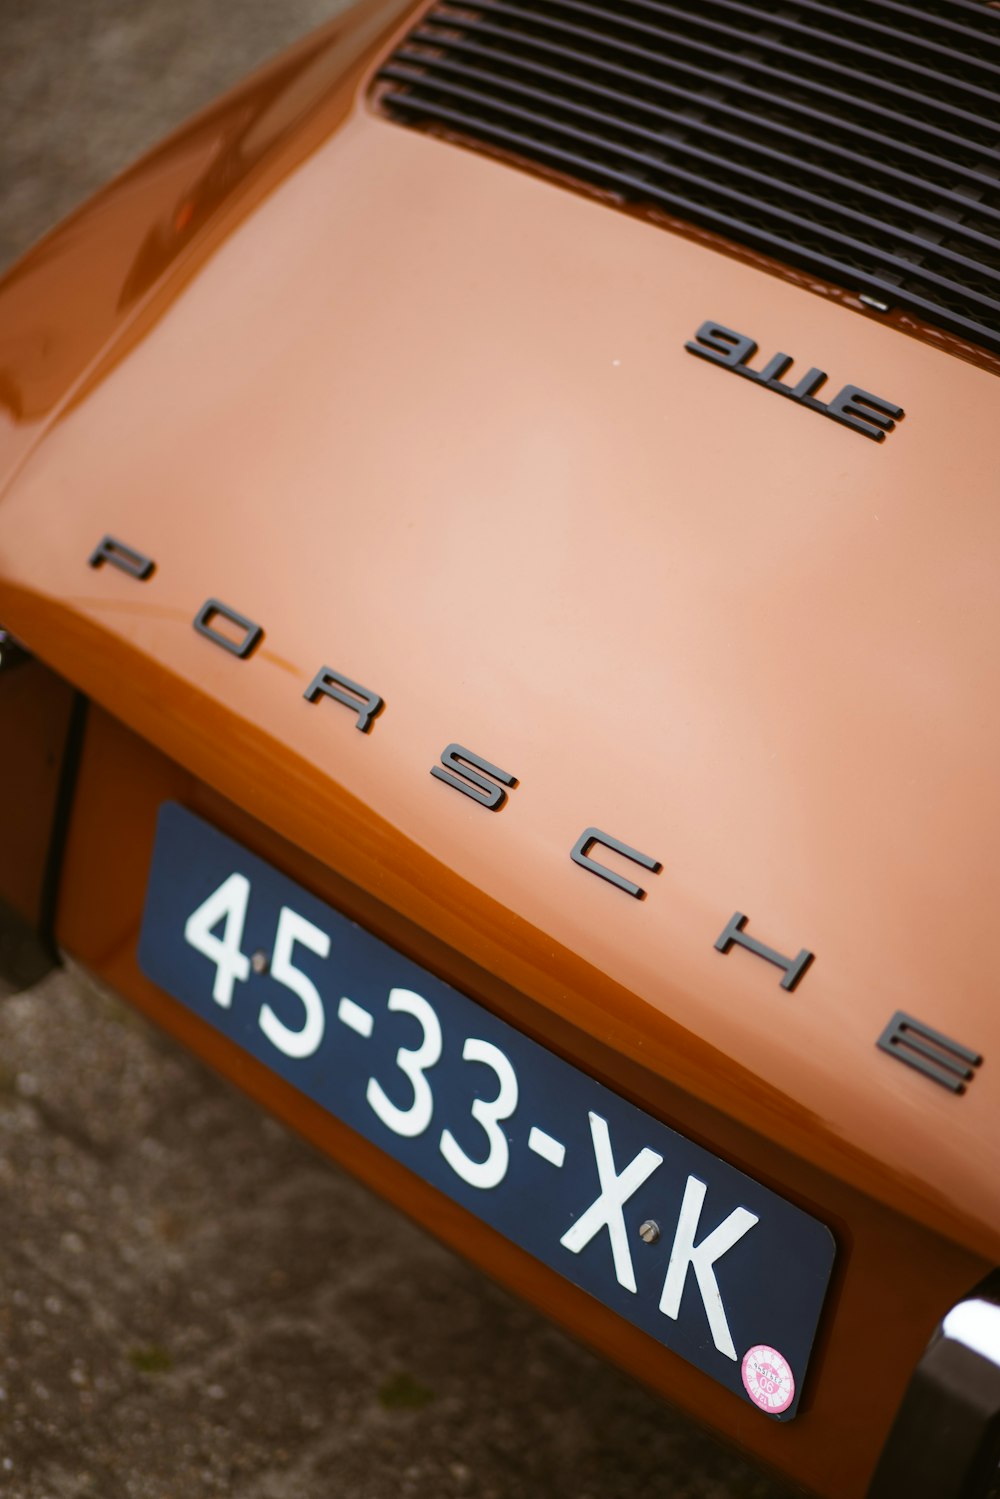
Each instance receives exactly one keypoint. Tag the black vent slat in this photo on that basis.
(911, 13)
(682, 152)
(649, 101)
(651, 164)
(718, 105)
(451, 66)
(971, 6)
(784, 22)
(729, 34)
(751, 64)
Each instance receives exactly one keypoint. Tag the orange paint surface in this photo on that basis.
(429, 420)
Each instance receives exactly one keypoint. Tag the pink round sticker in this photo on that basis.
(767, 1379)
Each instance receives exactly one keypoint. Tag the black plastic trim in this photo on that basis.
(59, 832)
(945, 1441)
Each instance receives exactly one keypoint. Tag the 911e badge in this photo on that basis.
(852, 407)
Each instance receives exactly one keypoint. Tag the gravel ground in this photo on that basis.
(191, 1302)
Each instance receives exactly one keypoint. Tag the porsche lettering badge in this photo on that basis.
(952, 1065)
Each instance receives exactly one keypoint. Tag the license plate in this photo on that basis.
(714, 1266)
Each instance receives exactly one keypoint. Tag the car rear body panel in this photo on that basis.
(431, 422)
(891, 1273)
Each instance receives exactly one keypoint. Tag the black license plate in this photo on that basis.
(719, 1269)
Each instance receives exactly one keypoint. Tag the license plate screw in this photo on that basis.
(649, 1231)
(260, 962)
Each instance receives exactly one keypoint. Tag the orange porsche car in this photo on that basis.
(500, 571)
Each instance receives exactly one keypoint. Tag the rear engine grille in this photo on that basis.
(858, 139)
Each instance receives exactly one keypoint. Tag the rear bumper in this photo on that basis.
(892, 1273)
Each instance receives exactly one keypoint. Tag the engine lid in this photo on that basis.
(434, 424)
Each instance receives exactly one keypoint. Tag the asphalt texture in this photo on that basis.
(192, 1302)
